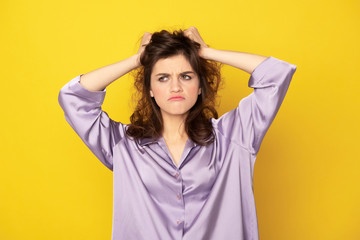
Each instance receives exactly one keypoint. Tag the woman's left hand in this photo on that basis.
(194, 35)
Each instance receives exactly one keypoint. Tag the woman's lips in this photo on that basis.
(176, 98)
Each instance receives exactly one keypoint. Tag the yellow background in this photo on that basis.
(306, 178)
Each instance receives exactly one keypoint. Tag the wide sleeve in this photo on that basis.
(248, 123)
(82, 109)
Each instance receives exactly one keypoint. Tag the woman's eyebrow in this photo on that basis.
(166, 74)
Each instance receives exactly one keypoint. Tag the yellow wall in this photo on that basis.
(306, 178)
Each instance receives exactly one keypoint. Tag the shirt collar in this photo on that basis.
(147, 141)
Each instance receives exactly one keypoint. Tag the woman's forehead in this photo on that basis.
(173, 64)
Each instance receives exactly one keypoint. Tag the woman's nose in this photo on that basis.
(175, 85)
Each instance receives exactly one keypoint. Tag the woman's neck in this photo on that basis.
(174, 128)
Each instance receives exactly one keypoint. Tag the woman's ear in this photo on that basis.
(151, 94)
(199, 92)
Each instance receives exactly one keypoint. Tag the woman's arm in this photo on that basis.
(81, 103)
(242, 60)
(270, 78)
(248, 123)
(99, 79)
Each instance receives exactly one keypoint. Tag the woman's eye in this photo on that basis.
(161, 79)
(186, 77)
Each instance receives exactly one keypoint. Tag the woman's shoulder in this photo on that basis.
(225, 119)
(228, 128)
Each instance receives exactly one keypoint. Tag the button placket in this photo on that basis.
(176, 175)
(178, 196)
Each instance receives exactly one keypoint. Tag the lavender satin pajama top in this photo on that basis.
(209, 195)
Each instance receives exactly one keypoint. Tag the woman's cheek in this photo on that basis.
(159, 97)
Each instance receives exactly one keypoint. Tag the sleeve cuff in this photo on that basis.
(76, 87)
(263, 68)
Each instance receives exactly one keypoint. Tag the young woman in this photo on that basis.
(180, 172)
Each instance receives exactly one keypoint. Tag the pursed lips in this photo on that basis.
(177, 98)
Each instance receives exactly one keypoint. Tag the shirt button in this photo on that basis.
(179, 196)
(178, 221)
(176, 175)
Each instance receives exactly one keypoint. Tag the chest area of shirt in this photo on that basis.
(153, 168)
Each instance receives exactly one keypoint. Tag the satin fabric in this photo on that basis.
(209, 195)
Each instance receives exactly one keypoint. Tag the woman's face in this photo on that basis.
(174, 85)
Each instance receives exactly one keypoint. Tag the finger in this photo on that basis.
(189, 30)
(147, 36)
(146, 39)
(193, 31)
(190, 35)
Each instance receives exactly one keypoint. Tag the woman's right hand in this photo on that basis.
(144, 41)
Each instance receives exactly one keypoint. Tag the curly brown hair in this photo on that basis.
(146, 121)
